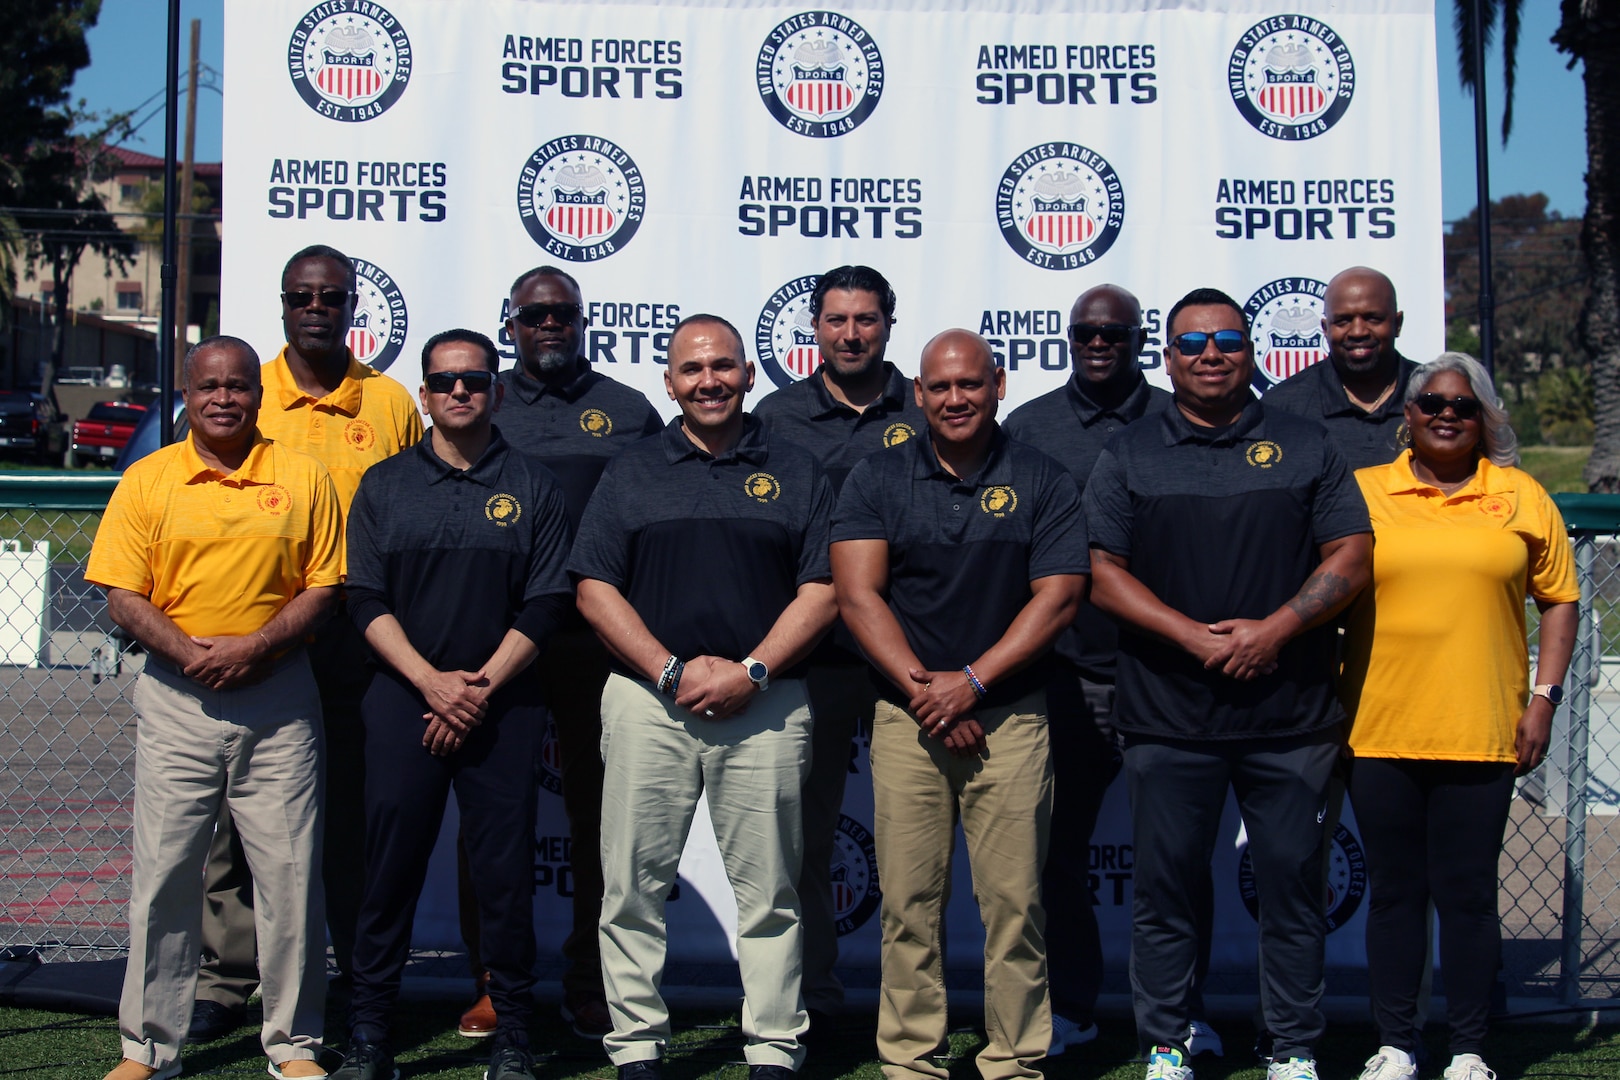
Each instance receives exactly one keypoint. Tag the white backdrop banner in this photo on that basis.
(687, 157)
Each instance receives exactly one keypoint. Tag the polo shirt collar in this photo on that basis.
(257, 467)
(751, 447)
(1488, 479)
(1250, 426)
(1338, 402)
(1132, 406)
(485, 471)
(345, 399)
(997, 467)
(893, 399)
(529, 389)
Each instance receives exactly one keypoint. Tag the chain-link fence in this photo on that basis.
(68, 756)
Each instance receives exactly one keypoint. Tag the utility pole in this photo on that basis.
(182, 299)
(167, 361)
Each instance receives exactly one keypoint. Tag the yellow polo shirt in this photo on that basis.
(369, 417)
(220, 554)
(1435, 660)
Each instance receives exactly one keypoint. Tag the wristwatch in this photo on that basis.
(758, 673)
(1551, 691)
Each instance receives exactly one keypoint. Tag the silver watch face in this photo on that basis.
(757, 671)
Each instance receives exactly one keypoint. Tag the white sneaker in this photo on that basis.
(1165, 1063)
(1389, 1064)
(1067, 1033)
(1467, 1067)
(1292, 1069)
(1203, 1039)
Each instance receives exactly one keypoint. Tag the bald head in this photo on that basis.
(1362, 320)
(958, 386)
(957, 348)
(1105, 338)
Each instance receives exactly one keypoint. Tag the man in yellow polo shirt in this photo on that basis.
(220, 554)
(318, 399)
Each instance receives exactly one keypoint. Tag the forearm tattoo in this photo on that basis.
(1323, 594)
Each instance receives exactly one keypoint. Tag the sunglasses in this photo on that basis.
(1112, 333)
(1227, 341)
(1464, 408)
(535, 315)
(302, 298)
(444, 382)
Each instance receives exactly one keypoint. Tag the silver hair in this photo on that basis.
(1497, 440)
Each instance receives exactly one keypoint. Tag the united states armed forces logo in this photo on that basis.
(819, 73)
(855, 890)
(596, 423)
(350, 60)
(551, 772)
(503, 509)
(1060, 205)
(762, 487)
(897, 433)
(1285, 324)
(1291, 76)
(998, 501)
(377, 332)
(581, 197)
(784, 338)
(1346, 879)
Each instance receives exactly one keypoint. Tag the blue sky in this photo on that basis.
(1546, 153)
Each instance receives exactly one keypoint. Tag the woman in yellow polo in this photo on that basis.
(1436, 684)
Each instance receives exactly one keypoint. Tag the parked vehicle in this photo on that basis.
(81, 376)
(105, 431)
(29, 428)
(145, 439)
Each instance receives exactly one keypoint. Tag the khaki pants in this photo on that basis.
(658, 759)
(258, 750)
(1004, 801)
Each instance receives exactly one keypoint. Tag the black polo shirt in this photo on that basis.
(1365, 438)
(963, 552)
(576, 429)
(835, 434)
(708, 550)
(1068, 424)
(459, 557)
(1223, 524)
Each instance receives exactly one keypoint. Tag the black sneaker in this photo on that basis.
(646, 1069)
(210, 1020)
(367, 1061)
(510, 1063)
(770, 1072)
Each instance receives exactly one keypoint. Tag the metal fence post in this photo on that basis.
(1588, 658)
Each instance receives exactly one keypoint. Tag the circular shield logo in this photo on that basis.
(349, 62)
(360, 434)
(1291, 76)
(503, 509)
(1285, 324)
(550, 770)
(897, 433)
(1346, 879)
(378, 331)
(1495, 506)
(784, 339)
(998, 501)
(762, 487)
(581, 198)
(854, 875)
(820, 74)
(274, 500)
(1060, 205)
(1263, 454)
(596, 422)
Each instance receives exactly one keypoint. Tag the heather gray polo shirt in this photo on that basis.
(835, 434)
(1365, 438)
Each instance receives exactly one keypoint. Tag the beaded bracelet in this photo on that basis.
(978, 687)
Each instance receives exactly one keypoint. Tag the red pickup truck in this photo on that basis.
(100, 435)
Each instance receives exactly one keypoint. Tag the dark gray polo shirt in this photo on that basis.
(1070, 426)
(1365, 438)
(835, 434)
(576, 429)
(459, 557)
(963, 552)
(708, 550)
(1223, 524)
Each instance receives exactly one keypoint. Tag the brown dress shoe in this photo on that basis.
(478, 1022)
(134, 1070)
(589, 1018)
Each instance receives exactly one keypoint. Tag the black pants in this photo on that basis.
(493, 778)
(1178, 790)
(1432, 830)
(1085, 760)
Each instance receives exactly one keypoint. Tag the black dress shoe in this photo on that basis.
(210, 1020)
(646, 1069)
(770, 1072)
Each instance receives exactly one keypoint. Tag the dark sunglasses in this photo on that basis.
(1465, 408)
(1227, 341)
(302, 298)
(535, 315)
(1112, 333)
(444, 382)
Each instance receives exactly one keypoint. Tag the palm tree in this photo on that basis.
(1589, 33)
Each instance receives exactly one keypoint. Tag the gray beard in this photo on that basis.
(554, 363)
